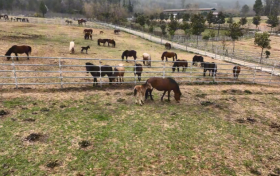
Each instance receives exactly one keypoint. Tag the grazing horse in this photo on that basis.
(101, 32)
(198, 59)
(95, 71)
(131, 53)
(166, 85)
(85, 48)
(19, 19)
(25, 20)
(139, 92)
(147, 58)
(236, 71)
(169, 55)
(119, 73)
(88, 36)
(117, 31)
(71, 47)
(81, 21)
(68, 21)
(180, 63)
(18, 50)
(88, 31)
(102, 41)
(211, 67)
(138, 71)
(111, 41)
(6, 17)
(168, 46)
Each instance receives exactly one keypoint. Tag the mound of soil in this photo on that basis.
(33, 137)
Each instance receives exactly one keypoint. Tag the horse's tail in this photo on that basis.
(135, 91)
(175, 56)
(123, 55)
(98, 42)
(29, 49)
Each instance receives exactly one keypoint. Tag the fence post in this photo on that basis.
(216, 53)
(272, 74)
(191, 71)
(100, 72)
(163, 74)
(134, 71)
(254, 75)
(14, 71)
(60, 73)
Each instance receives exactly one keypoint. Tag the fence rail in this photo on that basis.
(74, 72)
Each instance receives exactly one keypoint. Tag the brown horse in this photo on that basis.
(101, 32)
(236, 71)
(130, 53)
(117, 31)
(102, 41)
(68, 21)
(18, 50)
(111, 41)
(180, 63)
(88, 36)
(88, 31)
(169, 55)
(168, 46)
(81, 21)
(166, 85)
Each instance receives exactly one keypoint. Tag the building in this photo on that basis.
(190, 10)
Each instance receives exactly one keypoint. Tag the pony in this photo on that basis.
(117, 31)
(88, 31)
(180, 63)
(127, 53)
(166, 85)
(147, 58)
(101, 32)
(198, 59)
(139, 92)
(102, 41)
(211, 67)
(168, 55)
(18, 19)
(138, 71)
(81, 21)
(167, 46)
(85, 48)
(95, 71)
(119, 71)
(18, 50)
(88, 36)
(6, 17)
(236, 71)
(71, 47)
(25, 20)
(68, 21)
(112, 42)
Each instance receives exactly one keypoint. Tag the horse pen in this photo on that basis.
(53, 120)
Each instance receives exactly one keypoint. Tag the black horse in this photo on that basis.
(138, 70)
(95, 71)
(211, 67)
(180, 63)
(197, 59)
(18, 50)
(131, 53)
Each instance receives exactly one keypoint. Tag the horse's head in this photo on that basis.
(177, 96)
(8, 57)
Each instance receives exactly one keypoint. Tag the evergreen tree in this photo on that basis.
(210, 18)
(230, 20)
(257, 21)
(245, 9)
(186, 17)
(272, 21)
(220, 19)
(130, 6)
(263, 41)
(197, 25)
(43, 8)
(234, 32)
(258, 7)
(243, 21)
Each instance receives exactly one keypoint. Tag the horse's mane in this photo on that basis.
(124, 53)
(9, 52)
(177, 85)
(164, 53)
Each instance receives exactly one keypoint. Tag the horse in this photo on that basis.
(211, 67)
(18, 50)
(95, 71)
(71, 47)
(119, 73)
(25, 20)
(138, 71)
(88, 36)
(102, 41)
(68, 21)
(88, 31)
(18, 19)
(81, 21)
(167, 46)
(128, 53)
(84, 48)
(112, 42)
(166, 85)
(139, 92)
(169, 55)
(147, 58)
(6, 17)
(198, 59)
(101, 32)
(180, 63)
(117, 31)
(236, 71)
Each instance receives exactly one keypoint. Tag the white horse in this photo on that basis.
(119, 71)
(148, 58)
(71, 48)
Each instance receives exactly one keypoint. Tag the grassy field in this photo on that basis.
(83, 130)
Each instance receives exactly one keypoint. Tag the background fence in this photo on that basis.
(71, 71)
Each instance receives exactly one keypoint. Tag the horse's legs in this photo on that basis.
(16, 55)
(169, 95)
(204, 71)
(163, 95)
(139, 77)
(178, 69)
(27, 55)
(166, 59)
(126, 59)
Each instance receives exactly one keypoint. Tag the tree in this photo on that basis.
(185, 27)
(272, 21)
(258, 7)
(212, 35)
(210, 18)
(171, 17)
(243, 21)
(257, 21)
(230, 20)
(234, 32)
(141, 20)
(43, 8)
(186, 17)
(161, 16)
(130, 7)
(237, 6)
(245, 9)
(163, 27)
(263, 41)
(197, 25)
(220, 19)
(172, 27)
